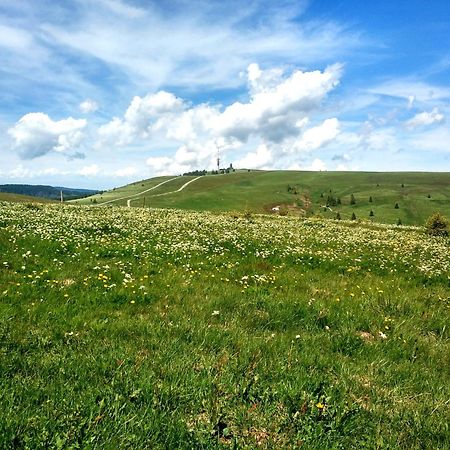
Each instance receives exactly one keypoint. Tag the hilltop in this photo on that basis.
(406, 197)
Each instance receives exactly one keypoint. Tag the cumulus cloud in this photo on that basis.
(36, 134)
(260, 158)
(275, 119)
(425, 118)
(88, 106)
(319, 136)
(276, 105)
(144, 116)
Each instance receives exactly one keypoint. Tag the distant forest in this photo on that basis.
(51, 192)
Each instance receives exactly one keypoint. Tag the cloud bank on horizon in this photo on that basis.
(101, 94)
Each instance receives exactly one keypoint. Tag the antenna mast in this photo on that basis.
(62, 198)
(218, 158)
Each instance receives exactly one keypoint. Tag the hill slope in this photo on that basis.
(18, 198)
(410, 197)
(44, 191)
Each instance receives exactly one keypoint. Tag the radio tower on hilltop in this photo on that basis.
(218, 158)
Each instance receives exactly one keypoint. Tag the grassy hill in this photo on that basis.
(44, 191)
(9, 197)
(417, 195)
(168, 329)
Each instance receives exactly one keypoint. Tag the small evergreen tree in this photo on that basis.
(371, 214)
(331, 201)
(396, 206)
(339, 201)
(352, 200)
(370, 199)
(429, 195)
(353, 216)
(399, 222)
(338, 216)
(403, 185)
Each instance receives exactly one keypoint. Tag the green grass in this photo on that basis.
(137, 328)
(259, 191)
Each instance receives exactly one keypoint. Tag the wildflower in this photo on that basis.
(215, 313)
(320, 406)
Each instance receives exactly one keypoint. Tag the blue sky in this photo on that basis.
(98, 94)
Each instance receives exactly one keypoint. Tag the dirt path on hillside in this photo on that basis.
(135, 195)
(166, 193)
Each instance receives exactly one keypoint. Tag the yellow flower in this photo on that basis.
(320, 405)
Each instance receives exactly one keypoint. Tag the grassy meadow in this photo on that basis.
(406, 196)
(141, 328)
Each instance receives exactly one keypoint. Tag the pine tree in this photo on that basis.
(352, 200)
(399, 222)
(371, 214)
(338, 216)
(353, 216)
(396, 206)
(370, 199)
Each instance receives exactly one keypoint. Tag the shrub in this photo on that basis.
(353, 216)
(399, 222)
(371, 213)
(352, 200)
(437, 225)
(396, 206)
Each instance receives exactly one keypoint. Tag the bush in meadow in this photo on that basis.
(437, 225)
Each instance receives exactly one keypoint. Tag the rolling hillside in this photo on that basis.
(44, 191)
(9, 197)
(405, 196)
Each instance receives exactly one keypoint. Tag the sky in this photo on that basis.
(98, 94)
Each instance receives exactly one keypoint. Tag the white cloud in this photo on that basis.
(317, 165)
(425, 118)
(261, 157)
(163, 165)
(89, 171)
(203, 44)
(14, 38)
(144, 116)
(412, 90)
(278, 110)
(36, 134)
(275, 108)
(125, 172)
(20, 172)
(88, 106)
(317, 137)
